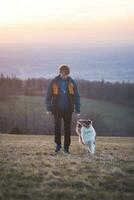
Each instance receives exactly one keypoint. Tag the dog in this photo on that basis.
(87, 134)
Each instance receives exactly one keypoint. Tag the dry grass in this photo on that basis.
(31, 170)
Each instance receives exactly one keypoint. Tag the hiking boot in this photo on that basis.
(58, 147)
(66, 150)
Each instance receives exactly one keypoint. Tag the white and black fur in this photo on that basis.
(87, 134)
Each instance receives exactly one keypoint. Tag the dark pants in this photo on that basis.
(66, 116)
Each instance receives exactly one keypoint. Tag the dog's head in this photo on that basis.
(84, 122)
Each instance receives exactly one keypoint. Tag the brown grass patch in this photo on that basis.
(30, 169)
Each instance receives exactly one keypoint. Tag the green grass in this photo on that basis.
(119, 117)
(26, 109)
(31, 170)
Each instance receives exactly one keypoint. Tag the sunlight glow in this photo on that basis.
(18, 11)
(33, 20)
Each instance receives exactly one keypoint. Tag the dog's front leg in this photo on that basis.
(77, 130)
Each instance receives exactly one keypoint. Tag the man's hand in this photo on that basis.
(49, 112)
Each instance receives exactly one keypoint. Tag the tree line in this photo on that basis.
(20, 113)
(120, 93)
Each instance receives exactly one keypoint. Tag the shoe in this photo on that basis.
(58, 147)
(66, 150)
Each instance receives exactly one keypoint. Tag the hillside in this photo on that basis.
(117, 118)
(28, 113)
(31, 170)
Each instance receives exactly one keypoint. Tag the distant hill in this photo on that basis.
(92, 63)
(27, 114)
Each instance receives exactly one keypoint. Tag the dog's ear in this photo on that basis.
(89, 121)
(78, 121)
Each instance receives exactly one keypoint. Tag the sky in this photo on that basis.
(67, 22)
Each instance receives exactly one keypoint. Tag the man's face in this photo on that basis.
(64, 75)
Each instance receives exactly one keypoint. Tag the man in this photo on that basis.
(62, 97)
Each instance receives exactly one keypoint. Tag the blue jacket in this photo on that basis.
(53, 95)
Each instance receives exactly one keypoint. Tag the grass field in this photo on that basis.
(114, 115)
(31, 170)
(29, 114)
